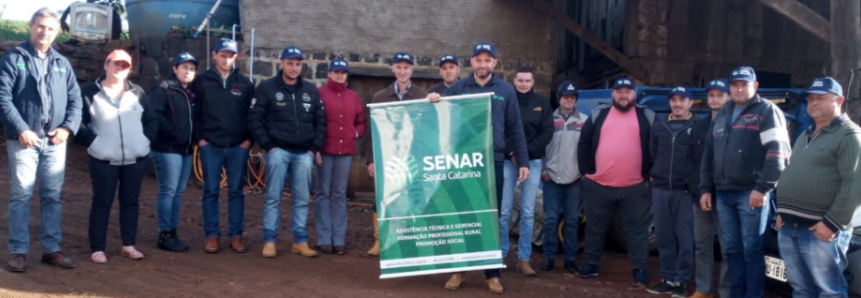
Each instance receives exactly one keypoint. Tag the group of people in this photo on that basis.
(692, 177)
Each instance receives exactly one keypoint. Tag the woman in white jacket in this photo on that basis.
(117, 127)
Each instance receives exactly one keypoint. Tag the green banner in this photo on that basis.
(435, 186)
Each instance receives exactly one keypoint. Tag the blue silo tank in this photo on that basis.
(148, 18)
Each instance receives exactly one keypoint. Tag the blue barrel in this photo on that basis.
(155, 18)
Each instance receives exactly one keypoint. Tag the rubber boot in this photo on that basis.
(375, 251)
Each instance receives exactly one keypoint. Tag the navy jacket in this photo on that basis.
(537, 117)
(699, 133)
(20, 98)
(176, 117)
(748, 153)
(507, 125)
(295, 122)
(672, 154)
(224, 104)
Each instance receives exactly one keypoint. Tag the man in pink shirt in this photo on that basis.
(612, 153)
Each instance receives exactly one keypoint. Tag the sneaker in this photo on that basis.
(587, 271)
(681, 291)
(641, 278)
(664, 287)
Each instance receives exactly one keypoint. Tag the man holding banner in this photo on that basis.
(401, 89)
(507, 126)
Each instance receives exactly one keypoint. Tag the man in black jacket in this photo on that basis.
(616, 178)
(672, 166)
(288, 121)
(537, 118)
(742, 161)
(707, 223)
(225, 95)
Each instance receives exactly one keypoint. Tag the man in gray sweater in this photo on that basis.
(819, 194)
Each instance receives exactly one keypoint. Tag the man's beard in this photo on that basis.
(622, 108)
(483, 76)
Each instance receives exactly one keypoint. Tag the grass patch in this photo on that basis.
(18, 30)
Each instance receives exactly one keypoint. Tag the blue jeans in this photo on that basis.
(48, 163)
(278, 163)
(171, 171)
(235, 160)
(814, 267)
(330, 204)
(743, 228)
(565, 199)
(528, 193)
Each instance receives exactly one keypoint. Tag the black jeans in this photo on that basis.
(105, 178)
(498, 166)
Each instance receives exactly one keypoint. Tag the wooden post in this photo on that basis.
(594, 40)
(804, 16)
(846, 52)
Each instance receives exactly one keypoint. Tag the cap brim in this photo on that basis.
(484, 51)
(623, 86)
(567, 92)
(820, 92)
(293, 57)
(721, 89)
(340, 68)
(742, 79)
(447, 61)
(184, 61)
(402, 60)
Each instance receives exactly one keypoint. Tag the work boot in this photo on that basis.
(700, 295)
(211, 245)
(17, 263)
(340, 250)
(236, 245)
(326, 249)
(494, 286)
(178, 242)
(58, 259)
(375, 251)
(304, 250)
(455, 281)
(547, 265)
(269, 250)
(571, 266)
(524, 268)
(641, 278)
(167, 242)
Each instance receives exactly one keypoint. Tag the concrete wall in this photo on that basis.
(368, 32)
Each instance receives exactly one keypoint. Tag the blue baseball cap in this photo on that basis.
(567, 87)
(484, 47)
(685, 92)
(339, 64)
(403, 56)
(226, 44)
(744, 73)
(623, 82)
(292, 52)
(448, 58)
(184, 57)
(721, 85)
(826, 85)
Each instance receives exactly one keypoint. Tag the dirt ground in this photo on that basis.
(227, 274)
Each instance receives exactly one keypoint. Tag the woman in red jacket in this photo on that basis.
(345, 116)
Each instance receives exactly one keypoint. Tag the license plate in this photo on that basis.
(774, 268)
